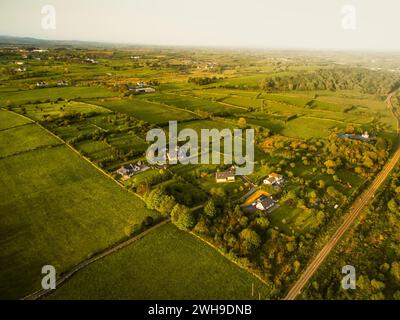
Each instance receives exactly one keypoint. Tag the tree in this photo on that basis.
(242, 122)
(209, 209)
(250, 238)
(392, 206)
(182, 217)
(395, 270)
(330, 164)
(262, 222)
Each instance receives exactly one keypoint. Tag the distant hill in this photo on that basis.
(28, 41)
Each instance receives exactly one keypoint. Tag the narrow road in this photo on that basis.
(350, 217)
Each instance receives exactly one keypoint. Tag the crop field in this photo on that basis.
(47, 202)
(195, 271)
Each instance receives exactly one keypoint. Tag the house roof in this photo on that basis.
(224, 175)
(266, 202)
(276, 175)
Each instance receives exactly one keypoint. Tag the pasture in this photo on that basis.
(24, 138)
(165, 264)
(150, 112)
(58, 210)
(41, 95)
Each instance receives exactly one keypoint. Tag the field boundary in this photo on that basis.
(43, 292)
(228, 258)
(47, 146)
(18, 126)
(77, 152)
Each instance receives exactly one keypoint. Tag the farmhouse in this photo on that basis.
(127, 171)
(273, 179)
(141, 89)
(227, 176)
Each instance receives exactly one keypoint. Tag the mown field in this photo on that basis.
(56, 209)
(165, 264)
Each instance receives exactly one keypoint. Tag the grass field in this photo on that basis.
(310, 127)
(146, 111)
(56, 209)
(8, 120)
(24, 96)
(190, 103)
(293, 220)
(23, 138)
(165, 264)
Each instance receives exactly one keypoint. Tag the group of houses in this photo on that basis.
(44, 84)
(127, 171)
(259, 199)
(90, 60)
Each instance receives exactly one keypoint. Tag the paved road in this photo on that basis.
(350, 217)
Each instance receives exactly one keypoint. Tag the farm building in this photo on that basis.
(273, 179)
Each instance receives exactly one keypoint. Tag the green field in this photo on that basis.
(310, 127)
(192, 104)
(8, 120)
(165, 264)
(23, 138)
(146, 111)
(25, 96)
(56, 209)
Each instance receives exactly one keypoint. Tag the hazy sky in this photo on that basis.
(315, 24)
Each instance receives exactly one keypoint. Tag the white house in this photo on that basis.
(365, 135)
(273, 179)
(227, 176)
